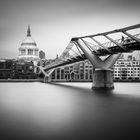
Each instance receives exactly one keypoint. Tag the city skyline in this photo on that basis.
(54, 22)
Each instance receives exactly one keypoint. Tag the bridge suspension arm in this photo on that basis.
(118, 44)
(87, 45)
(100, 44)
(110, 60)
(93, 58)
(90, 48)
(133, 37)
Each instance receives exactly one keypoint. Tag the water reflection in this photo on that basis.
(68, 111)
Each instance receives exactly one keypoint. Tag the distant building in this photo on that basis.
(24, 70)
(12, 69)
(76, 72)
(41, 54)
(28, 51)
(6, 69)
(128, 69)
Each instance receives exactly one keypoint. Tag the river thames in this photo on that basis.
(72, 111)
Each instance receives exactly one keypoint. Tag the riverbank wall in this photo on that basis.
(42, 80)
(21, 80)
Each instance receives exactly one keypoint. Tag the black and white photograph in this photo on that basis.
(69, 70)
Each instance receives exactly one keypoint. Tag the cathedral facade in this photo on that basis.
(28, 51)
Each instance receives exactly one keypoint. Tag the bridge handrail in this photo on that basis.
(108, 44)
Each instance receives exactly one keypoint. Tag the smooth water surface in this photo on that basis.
(62, 111)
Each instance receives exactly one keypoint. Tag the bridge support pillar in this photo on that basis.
(102, 79)
(47, 79)
(102, 76)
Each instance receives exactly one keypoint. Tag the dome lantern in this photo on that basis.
(28, 31)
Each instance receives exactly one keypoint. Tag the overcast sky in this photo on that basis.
(54, 22)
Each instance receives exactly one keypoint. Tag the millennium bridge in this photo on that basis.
(102, 50)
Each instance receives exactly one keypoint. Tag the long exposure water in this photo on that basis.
(73, 111)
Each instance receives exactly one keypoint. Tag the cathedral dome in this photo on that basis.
(28, 42)
(28, 49)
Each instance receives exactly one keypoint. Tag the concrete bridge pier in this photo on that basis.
(102, 79)
(47, 79)
(102, 76)
(47, 75)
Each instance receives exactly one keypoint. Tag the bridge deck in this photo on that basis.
(131, 46)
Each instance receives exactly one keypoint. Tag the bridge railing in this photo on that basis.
(126, 40)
